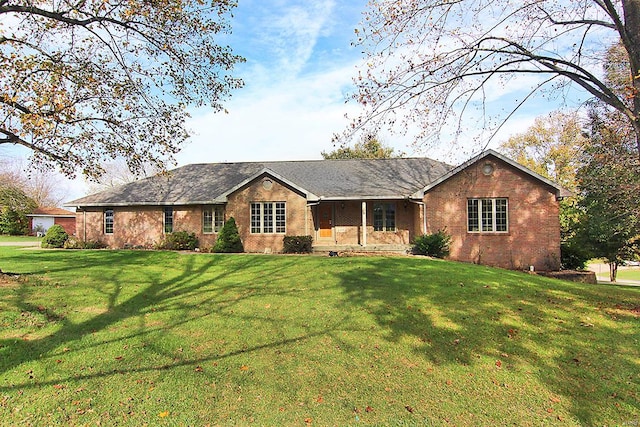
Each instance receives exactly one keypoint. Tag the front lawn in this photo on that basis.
(4, 238)
(161, 338)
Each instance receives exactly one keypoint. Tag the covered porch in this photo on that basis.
(367, 225)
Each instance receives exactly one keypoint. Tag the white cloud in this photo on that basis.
(282, 36)
(286, 121)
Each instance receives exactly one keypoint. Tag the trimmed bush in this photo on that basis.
(75, 243)
(434, 245)
(297, 244)
(229, 239)
(55, 237)
(179, 241)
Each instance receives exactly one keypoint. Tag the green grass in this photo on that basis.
(6, 238)
(630, 274)
(160, 338)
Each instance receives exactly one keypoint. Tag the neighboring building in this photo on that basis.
(497, 212)
(42, 218)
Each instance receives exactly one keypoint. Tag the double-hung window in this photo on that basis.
(384, 217)
(268, 217)
(487, 215)
(168, 219)
(212, 219)
(108, 221)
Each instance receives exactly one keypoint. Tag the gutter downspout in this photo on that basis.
(364, 224)
(306, 219)
(84, 223)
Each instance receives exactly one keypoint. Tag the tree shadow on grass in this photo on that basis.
(461, 314)
(198, 286)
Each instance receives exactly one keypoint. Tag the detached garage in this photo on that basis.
(41, 219)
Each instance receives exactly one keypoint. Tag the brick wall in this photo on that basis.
(69, 224)
(298, 216)
(533, 236)
(137, 225)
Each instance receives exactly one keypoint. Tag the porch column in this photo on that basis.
(364, 223)
(424, 218)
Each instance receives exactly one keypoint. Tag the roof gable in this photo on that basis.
(266, 172)
(557, 189)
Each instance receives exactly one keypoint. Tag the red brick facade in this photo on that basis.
(532, 237)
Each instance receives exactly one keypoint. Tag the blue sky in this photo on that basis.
(298, 73)
(299, 68)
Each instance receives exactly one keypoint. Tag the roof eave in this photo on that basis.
(558, 189)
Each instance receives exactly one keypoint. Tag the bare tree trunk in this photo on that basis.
(613, 271)
(631, 9)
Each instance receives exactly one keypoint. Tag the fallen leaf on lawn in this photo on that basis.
(58, 386)
(368, 409)
(308, 420)
(198, 368)
(550, 410)
(449, 382)
(163, 414)
(119, 357)
(409, 408)
(244, 368)
(498, 363)
(320, 399)
(555, 399)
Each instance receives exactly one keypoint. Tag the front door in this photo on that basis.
(325, 211)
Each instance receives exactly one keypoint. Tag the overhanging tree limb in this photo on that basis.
(84, 82)
(441, 48)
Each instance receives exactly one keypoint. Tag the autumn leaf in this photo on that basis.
(163, 414)
(58, 386)
(368, 409)
(308, 420)
(119, 357)
(409, 408)
(498, 363)
(198, 369)
(554, 399)
(320, 399)
(244, 368)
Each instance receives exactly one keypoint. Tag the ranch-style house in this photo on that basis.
(496, 211)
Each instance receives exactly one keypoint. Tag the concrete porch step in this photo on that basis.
(359, 248)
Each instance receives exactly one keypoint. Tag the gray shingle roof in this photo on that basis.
(325, 179)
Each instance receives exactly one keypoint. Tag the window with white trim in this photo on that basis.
(108, 221)
(384, 217)
(487, 215)
(212, 219)
(268, 217)
(168, 219)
